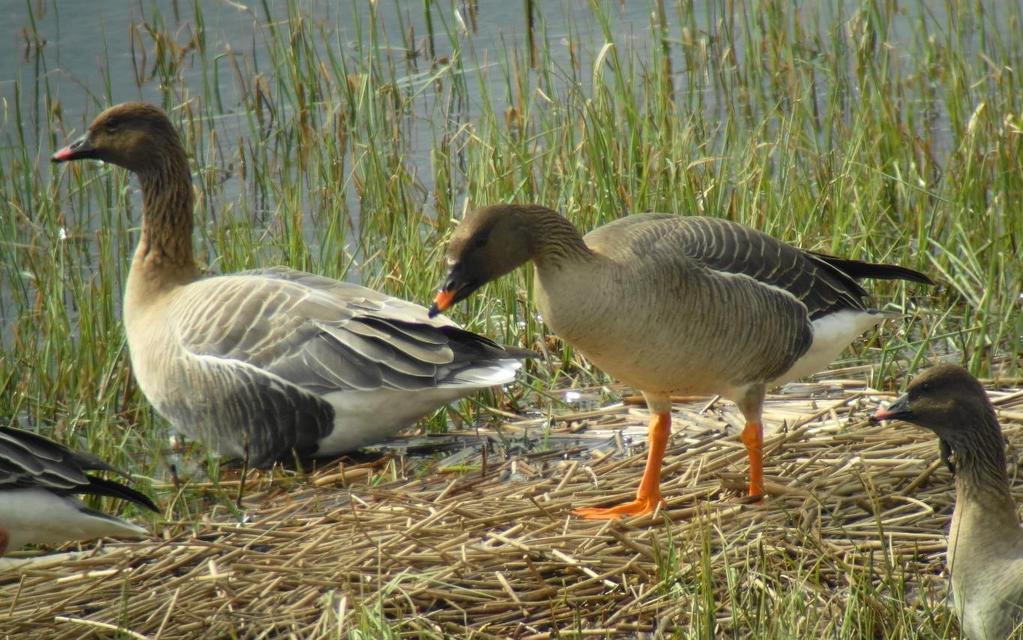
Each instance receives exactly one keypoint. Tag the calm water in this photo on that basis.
(88, 55)
(85, 55)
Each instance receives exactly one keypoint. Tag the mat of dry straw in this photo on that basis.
(481, 543)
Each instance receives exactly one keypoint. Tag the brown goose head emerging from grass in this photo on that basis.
(140, 138)
(949, 401)
(985, 543)
(489, 243)
(126, 135)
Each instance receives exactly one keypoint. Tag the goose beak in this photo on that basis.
(77, 150)
(457, 287)
(445, 298)
(898, 410)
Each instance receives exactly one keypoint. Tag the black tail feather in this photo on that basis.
(111, 489)
(481, 347)
(858, 269)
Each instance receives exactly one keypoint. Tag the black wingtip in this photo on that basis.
(520, 354)
(482, 347)
(111, 489)
(895, 272)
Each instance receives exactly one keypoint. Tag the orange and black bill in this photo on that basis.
(456, 288)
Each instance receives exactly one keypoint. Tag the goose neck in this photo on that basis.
(167, 203)
(981, 479)
(555, 241)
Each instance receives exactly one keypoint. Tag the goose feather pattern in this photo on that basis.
(307, 364)
(273, 363)
(39, 480)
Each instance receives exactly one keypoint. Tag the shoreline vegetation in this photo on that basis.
(347, 143)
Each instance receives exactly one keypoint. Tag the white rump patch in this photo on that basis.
(366, 417)
(831, 334)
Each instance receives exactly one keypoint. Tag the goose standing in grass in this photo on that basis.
(38, 483)
(275, 363)
(672, 304)
(985, 542)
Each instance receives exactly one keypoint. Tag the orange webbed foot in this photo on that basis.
(648, 497)
(637, 507)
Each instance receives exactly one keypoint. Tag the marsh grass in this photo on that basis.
(874, 130)
(849, 546)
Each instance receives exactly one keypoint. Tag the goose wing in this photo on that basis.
(28, 461)
(816, 280)
(732, 248)
(325, 336)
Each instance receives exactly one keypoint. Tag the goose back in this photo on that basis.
(731, 249)
(276, 362)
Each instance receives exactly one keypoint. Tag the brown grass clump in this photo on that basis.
(850, 544)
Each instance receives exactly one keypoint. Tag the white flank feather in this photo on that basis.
(831, 334)
(38, 516)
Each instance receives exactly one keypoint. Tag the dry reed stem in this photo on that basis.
(499, 555)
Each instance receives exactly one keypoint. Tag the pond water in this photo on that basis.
(80, 56)
(86, 55)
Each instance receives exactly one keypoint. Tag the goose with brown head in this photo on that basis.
(674, 305)
(985, 542)
(270, 364)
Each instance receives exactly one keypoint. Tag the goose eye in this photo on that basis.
(480, 241)
(111, 126)
(922, 389)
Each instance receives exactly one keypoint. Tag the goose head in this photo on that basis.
(128, 135)
(488, 243)
(949, 401)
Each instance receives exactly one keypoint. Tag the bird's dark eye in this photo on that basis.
(479, 241)
(111, 125)
(921, 389)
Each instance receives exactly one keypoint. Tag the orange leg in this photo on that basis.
(753, 438)
(648, 497)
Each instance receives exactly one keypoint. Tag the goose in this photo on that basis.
(39, 480)
(985, 542)
(671, 304)
(272, 364)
